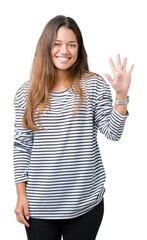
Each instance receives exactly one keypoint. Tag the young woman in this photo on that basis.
(58, 169)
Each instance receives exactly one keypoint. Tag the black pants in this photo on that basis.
(84, 227)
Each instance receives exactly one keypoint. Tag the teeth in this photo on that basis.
(62, 58)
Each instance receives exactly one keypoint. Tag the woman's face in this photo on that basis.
(65, 50)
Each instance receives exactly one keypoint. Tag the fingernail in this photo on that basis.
(27, 217)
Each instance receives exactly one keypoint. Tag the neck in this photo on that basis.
(60, 77)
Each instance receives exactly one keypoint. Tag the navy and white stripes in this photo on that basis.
(62, 165)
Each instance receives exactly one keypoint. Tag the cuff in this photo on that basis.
(21, 179)
(120, 116)
(117, 123)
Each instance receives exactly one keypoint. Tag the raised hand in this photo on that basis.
(122, 78)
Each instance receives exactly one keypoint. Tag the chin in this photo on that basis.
(63, 68)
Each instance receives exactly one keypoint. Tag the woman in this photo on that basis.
(58, 169)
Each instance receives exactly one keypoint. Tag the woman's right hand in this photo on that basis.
(22, 205)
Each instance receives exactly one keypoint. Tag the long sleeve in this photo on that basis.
(23, 140)
(106, 118)
(66, 175)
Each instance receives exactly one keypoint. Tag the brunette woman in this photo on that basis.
(58, 170)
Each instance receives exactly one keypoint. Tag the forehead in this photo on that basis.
(65, 34)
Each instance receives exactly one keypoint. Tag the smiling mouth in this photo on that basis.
(63, 59)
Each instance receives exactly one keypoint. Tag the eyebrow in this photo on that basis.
(69, 41)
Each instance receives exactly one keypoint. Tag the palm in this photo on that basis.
(122, 79)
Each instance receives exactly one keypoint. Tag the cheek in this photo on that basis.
(53, 52)
(75, 54)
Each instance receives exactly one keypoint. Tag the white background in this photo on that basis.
(108, 27)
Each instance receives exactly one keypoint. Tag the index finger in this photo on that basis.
(131, 69)
(112, 65)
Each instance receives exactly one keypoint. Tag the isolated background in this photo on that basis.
(108, 28)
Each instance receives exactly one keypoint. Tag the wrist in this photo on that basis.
(121, 96)
(21, 195)
(121, 100)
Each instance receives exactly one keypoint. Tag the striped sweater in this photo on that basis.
(61, 164)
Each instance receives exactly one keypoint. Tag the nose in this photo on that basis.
(64, 49)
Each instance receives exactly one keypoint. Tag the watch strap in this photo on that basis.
(122, 101)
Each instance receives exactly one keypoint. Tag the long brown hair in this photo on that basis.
(43, 73)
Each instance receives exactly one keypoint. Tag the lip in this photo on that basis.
(64, 58)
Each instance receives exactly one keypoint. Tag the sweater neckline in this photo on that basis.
(62, 93)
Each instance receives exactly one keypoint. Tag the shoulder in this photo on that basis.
(94, 81)
(21, 94)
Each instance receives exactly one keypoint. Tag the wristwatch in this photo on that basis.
(122, 101)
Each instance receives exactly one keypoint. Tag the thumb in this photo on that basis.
(109, 78)
(26, 211)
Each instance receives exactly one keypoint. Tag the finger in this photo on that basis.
(26, 212)
(124, 64)
(109, 78)
(131, 69)
(118, 62)
(112, 65)
(21, 219)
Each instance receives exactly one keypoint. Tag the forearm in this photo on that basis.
(20, 188)
(121, 108)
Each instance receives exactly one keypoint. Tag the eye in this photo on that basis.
(72, 45)
(57, 44)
